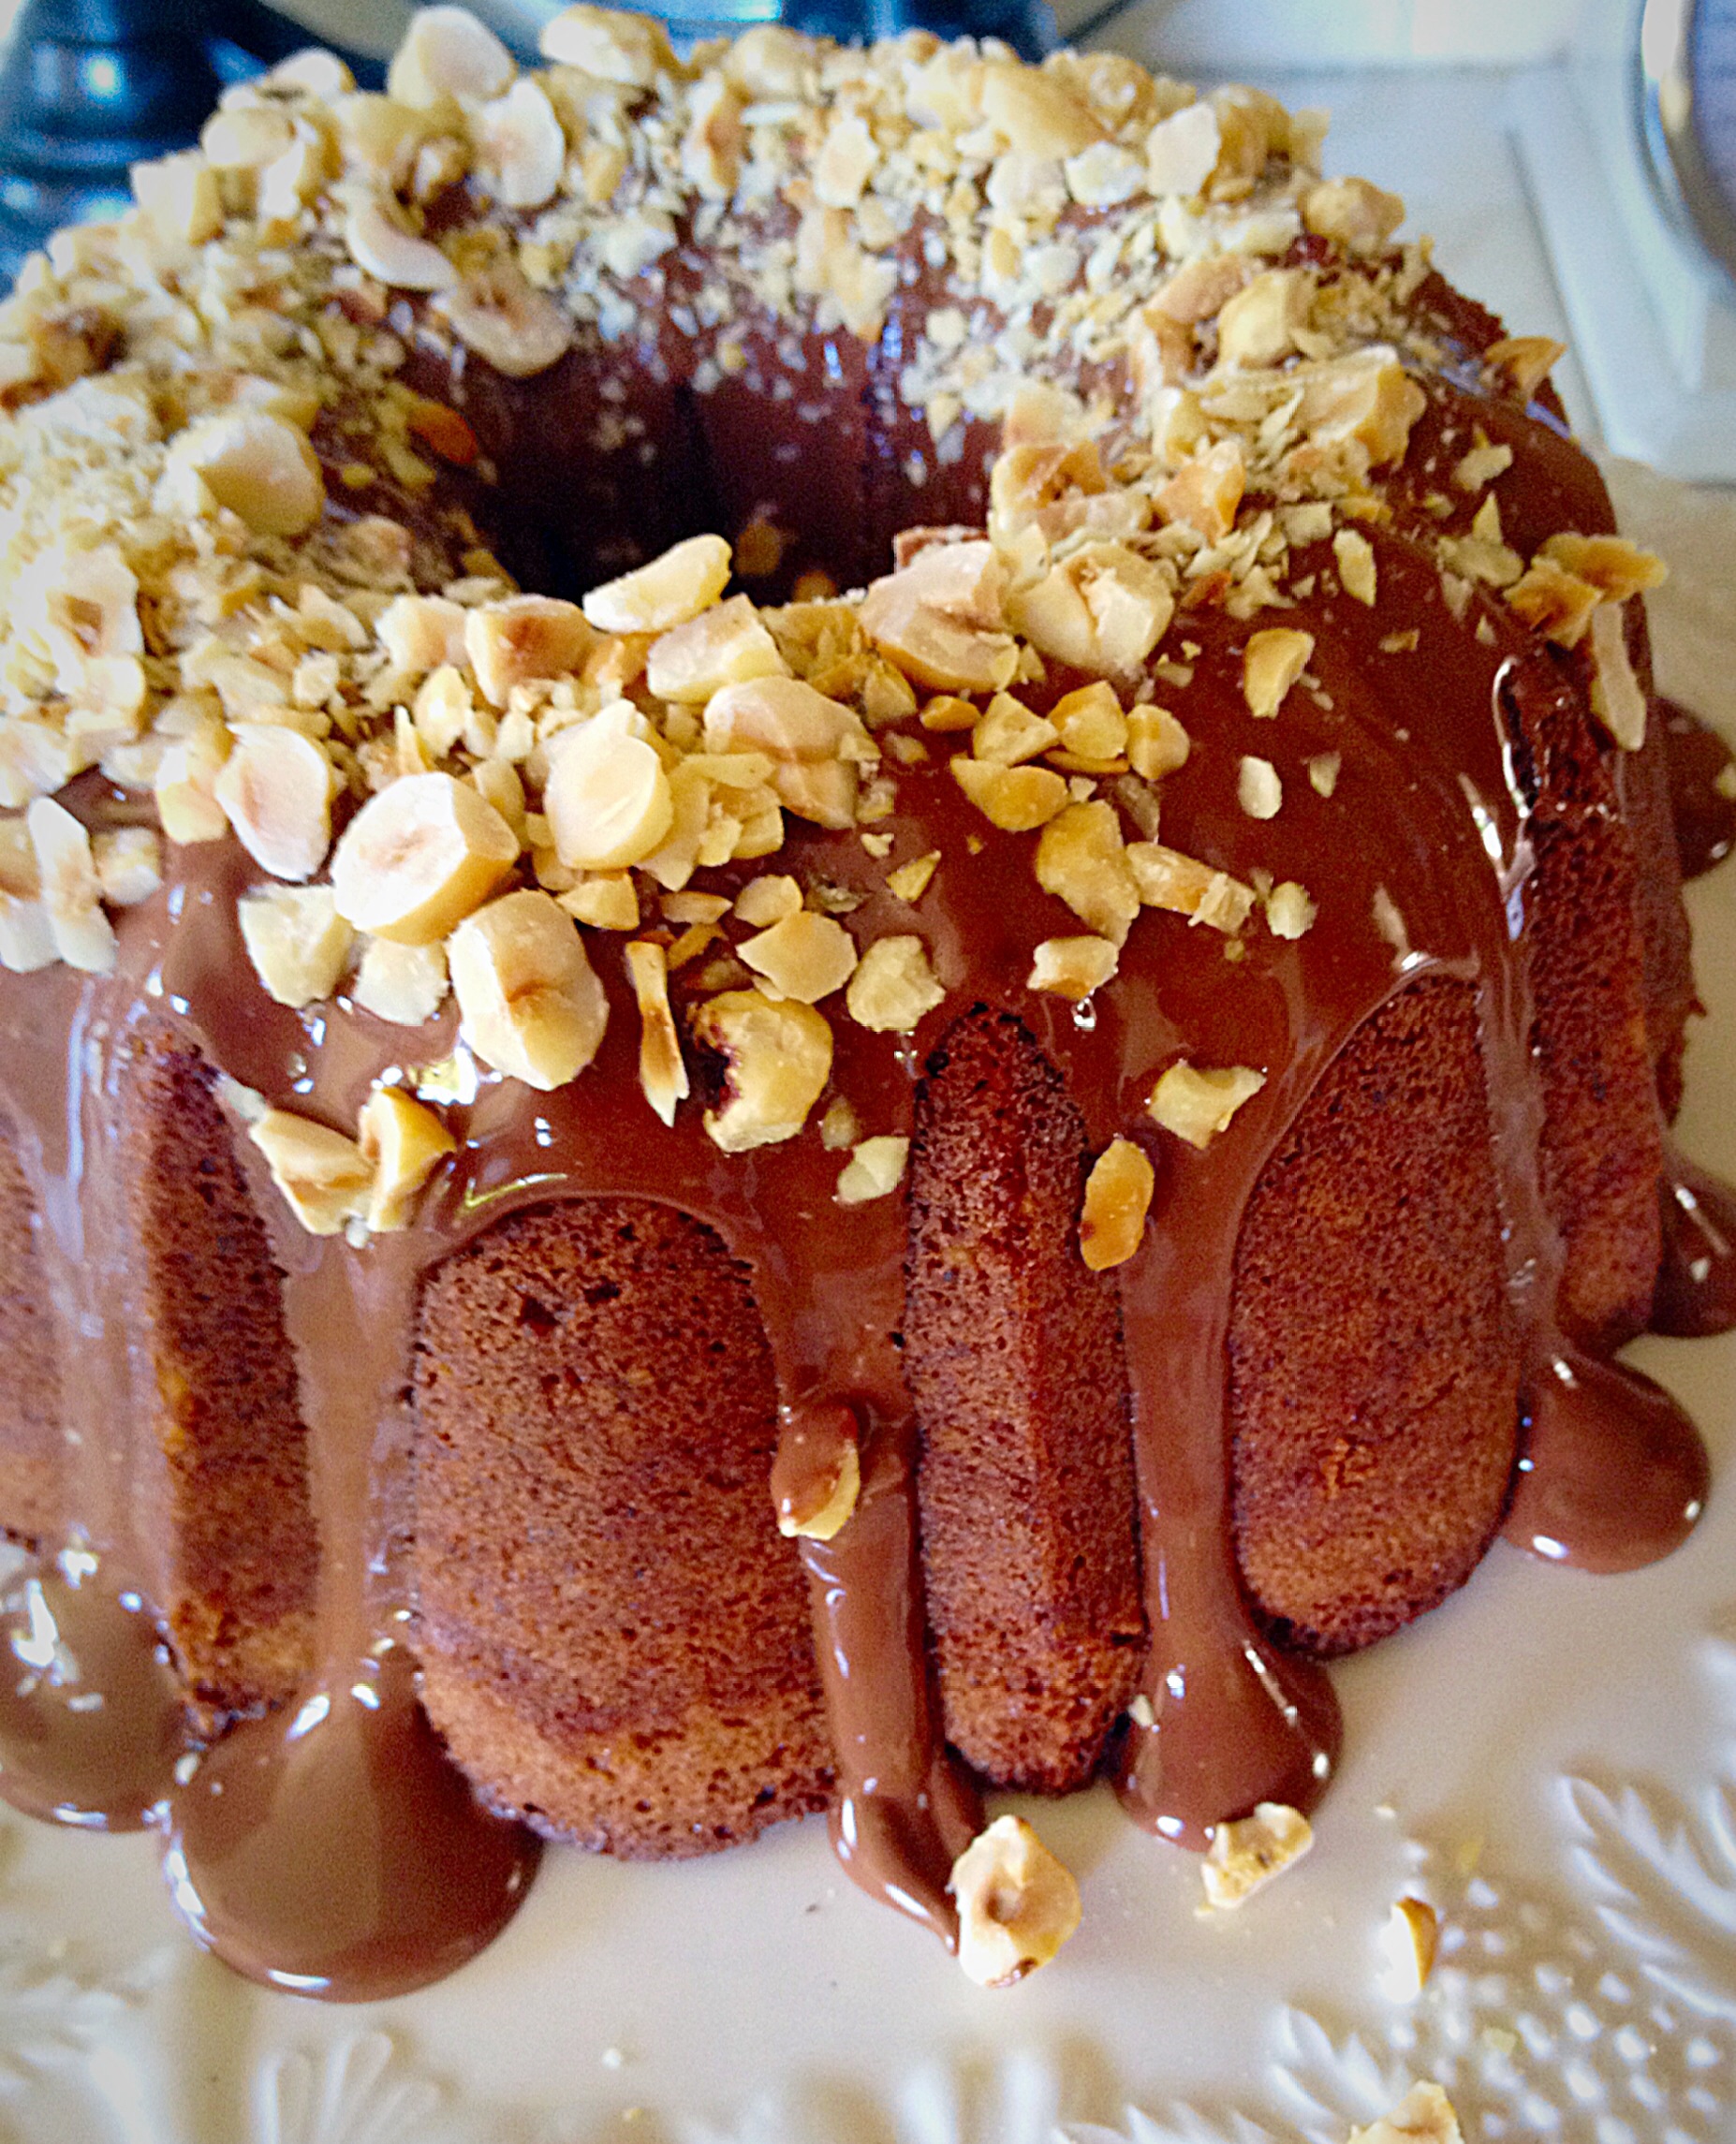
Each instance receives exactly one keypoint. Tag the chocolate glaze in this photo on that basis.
(337, 1851)
(91, 1715)
(1704, 813)
(331, 1846)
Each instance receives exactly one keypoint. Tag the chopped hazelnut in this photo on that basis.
(1081, 860)
(1412, 1935)
(1423, 2116)
(778, 1058)
(1206, 490)
(1352, 214)
(1615, 567)
(1009, 734)
(523, 639)
(662, 1069)
(1103, 608)
(1156, 742)
(1073, 967)
(1118, 1196)
(1017, 1904)
(1197, 1105)
(873, 1169)
(1091, 723)
(607, 798)
(816, 745)
(1290, 911)
(767, 900)
(528, 999)
(1527, 359)
(605, 899)
(1183, 886)
(725, 645)
(129, 864)
(405, 984)
(420, 857)
(1259, 790)
(296, 939)
(1250, 1852)
(1323, 771)
(1274, 660)
(69, 890)
(1018, 800)
(686, 579)
(893, 987)
(275, 788)
(325, 1177)
(910, 881)
(1618, 699)
(402, 1142)
(803, 956)
(1356, 564)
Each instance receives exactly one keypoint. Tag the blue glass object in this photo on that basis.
(92, 86)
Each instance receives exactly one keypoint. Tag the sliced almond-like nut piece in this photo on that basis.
(686, 579)
(1323, 771)
(497, 312)
(258, 466)
(805, 957)
(947, 711)
(447, 53)
(1412, 1935)
(1273, 661)
(528, 999)
(185, 783)
(605, 899)
(522, 142)
(816, 745)
(1615, 567)
(1017, 1904)
(129, 864)
(1527, 359)
(662, 1068)
(1365, 401)
(1617, 698)
(1352, 214)
(246, 138)
(609, 43)
(420, 633)
(607, 796)
(1018, 800)
(1186, 887)
(70, 893)
(296, 939)
(934, 649)
(1081, 860)
(1118, 1196)
(1181, 151)
(1250, 1852)
(1035, 112)
(894, 986)
(1423, 2116)
(324, 1177)
(1356, 565)
(1197, 1104)
(1553, 602)
(1258, 789)
(403, 984)
(526, 639)
(1091, 723)
(817, 1477)
(276, 790)
(778, 1058)
(182, 198)
(1290, 910)
(874, 1169)
(1156, 742)
(418, 857)
(1103, 608)
(1073, 967)
(1009, 734)
(402, 1142)
(1258, 326)
(765, 901)
(911, 880)
(382, 246)
(725, 645)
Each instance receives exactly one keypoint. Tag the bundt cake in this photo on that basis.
(638, 1208)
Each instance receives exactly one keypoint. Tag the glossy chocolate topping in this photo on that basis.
(331, 1846)
(1702, 788)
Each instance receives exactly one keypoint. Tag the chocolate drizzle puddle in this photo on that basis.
(92, 1724)
(331, 1846)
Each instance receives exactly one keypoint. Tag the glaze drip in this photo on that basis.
(1697, 1281)
(1702, 788)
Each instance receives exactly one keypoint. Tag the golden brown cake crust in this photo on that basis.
(223, 1486)
(30, 1434)
(614, 1636)
(1026, 1473)
(1373, 1359)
